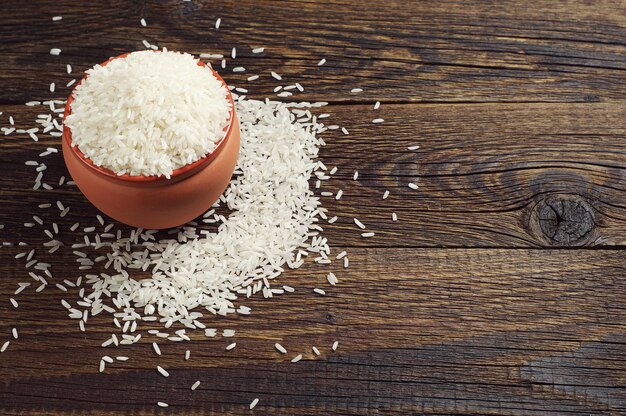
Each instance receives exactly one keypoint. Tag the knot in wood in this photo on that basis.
(565, 220)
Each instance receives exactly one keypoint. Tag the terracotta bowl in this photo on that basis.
(156, 202)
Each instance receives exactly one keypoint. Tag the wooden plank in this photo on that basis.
(489, 176)
(445, 51)
(519, 332)
(422, 330)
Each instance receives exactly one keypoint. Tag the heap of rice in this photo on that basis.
(206, 267)
(148, 113)
(273, 214)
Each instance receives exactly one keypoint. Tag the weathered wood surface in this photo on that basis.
(466, 305)
(483, 169)
(396, 50)
(472, 331)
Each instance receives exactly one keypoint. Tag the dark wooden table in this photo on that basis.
(500, 290)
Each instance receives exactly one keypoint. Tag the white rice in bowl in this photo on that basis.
(148, 113)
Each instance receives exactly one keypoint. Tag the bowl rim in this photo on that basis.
(176, 173)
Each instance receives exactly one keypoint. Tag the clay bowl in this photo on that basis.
(155, 202)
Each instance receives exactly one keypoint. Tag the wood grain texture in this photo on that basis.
(499, 291)
(483, 171)
(397, 51)
(473, 331)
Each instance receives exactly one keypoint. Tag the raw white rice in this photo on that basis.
(212, 55)
(332, 279)
(55, 51)
(118, 127)
(413, 186)
(254, 403)
(296, 358)
(195, 385)
(270, 226)
(195, 271)
(321, 62)
(162, 371)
